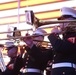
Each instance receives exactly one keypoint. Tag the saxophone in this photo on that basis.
(2, 63)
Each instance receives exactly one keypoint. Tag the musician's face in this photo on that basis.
(12, 52)
(62, 25)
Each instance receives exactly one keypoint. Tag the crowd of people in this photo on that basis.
(59, 59)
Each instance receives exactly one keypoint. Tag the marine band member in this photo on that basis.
(37, 56)
(64, 60)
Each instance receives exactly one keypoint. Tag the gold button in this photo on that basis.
(27, 58)
(54, 55)
(26, 62)
(28, 55)
(25, 66)
(63, 72)
(53, 60)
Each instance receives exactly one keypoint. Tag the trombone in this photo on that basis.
(37, 22)
(40, 23)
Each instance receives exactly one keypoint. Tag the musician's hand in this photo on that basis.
(55, 30)
(28, 40)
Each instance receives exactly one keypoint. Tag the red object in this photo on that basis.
(10, 67)
(27, 34)
(72, 39)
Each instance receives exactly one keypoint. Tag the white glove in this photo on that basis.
(55, 30)
(28, 40)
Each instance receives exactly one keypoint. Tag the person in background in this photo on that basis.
(64, 60)
(19, 62)
(16, 32)
(12, 53)
(37, 56)
(2, 64)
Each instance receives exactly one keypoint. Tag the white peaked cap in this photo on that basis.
(9, 44)
(68, 11)
(39, 31)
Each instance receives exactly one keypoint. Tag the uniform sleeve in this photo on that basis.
(18, 64)
(61, 46)
(38, 55)
(48, 55)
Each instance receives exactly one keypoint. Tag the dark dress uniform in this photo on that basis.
(48, 68)
(9, 69)
(64, 59)
(0, 72)
(17, 65)
(36, 61)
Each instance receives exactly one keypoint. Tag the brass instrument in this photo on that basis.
(22, 37)
(54, 22)
(43, 23)
(45, 44)
(37, 22)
